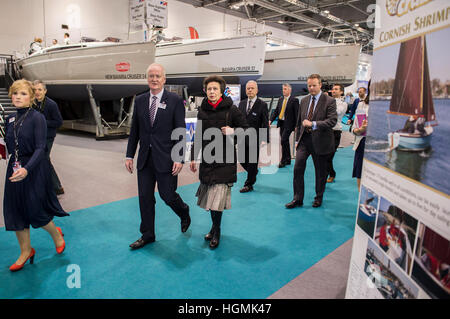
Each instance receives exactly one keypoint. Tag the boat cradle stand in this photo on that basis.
(103, 129)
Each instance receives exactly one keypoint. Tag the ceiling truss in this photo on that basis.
(333, 21)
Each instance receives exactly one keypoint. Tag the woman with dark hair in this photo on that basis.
(359, 130)
(29, 197)
(217, 117)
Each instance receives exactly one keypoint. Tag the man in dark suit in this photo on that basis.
(257, 115)
(316, 119)
(50, 109)
(286, 112)
(156, 114)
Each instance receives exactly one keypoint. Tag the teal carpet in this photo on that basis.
(263, 245)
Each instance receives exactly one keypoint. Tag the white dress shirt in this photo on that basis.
(341, 108)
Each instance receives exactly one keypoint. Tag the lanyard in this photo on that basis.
(19, 123)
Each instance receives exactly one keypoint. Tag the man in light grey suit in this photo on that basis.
(316, 119)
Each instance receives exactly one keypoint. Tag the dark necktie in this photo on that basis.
(249, 107)
(153, 110)
(310, 113)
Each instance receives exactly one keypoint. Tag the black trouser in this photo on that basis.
(305, 149)
(167, 186)
(250, 165)
(285, 146)
(337, 141)
(54, 177)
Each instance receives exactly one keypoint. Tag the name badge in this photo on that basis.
(162, 106)
(16, 166)
(12, 119)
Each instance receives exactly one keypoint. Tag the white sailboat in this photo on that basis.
(335, 64)
(116, 70)
(113, 70)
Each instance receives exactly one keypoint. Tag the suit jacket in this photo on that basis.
(258, 117)
(325, 116)
(353, 108)
(158, 136)
(290, 113)
(52, 115)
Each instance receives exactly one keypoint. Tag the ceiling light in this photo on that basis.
(280, 21)
(326, 11)
(314, 30)
(356, 25)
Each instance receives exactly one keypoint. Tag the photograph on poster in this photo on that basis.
(432, 263)
(410, 122)
(386, 276)
(396, 233)
(367, 210)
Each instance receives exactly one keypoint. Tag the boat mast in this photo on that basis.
(43, 13)
(422, 48)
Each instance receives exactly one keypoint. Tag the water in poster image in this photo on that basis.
(427, 167)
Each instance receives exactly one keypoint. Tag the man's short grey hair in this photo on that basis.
(156, 64)
(36, 82)
(252, 81)
(288, 85)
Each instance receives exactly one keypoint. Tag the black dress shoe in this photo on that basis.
(140, 243)
(281, 165)
(185, 224)
(317, 203)
(294, 203)
(246, 189)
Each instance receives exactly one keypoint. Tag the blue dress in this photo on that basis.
(31, 201)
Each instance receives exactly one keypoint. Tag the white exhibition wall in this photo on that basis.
(22, 20)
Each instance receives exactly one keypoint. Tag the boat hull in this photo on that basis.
(366, 214)
(411, 143)
(238, 60)
(293, 66)
(114, 71)
(427, 281)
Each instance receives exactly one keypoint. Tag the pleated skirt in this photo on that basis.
(215, 197)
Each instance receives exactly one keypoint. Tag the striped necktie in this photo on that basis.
(311, 108)
(310, 113)
(153, 110)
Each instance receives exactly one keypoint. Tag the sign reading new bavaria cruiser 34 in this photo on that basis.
(404, 250)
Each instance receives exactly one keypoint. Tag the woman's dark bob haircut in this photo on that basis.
(215, 78)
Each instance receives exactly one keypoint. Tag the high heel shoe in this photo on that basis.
(16, 267)
(61, 248)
